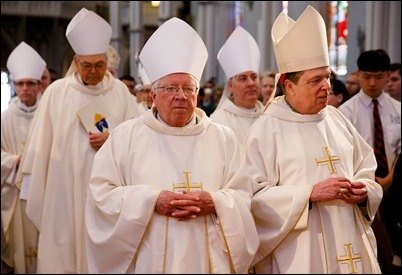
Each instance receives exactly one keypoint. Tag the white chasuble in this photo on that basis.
(58, 162)
(286, 154)
(21, 237)
(143, 157)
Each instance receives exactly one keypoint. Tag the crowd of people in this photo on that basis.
(287, 171)
(341, 90)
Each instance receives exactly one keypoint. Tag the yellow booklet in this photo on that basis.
(96, 116)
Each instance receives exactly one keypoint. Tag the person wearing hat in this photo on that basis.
(63, 142)
(312, 173)
(157, 203)
(239, 106)
(25, 66)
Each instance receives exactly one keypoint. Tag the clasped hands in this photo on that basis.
(339, 188)
(184, 206)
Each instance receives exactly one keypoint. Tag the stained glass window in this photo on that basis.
(338, 48)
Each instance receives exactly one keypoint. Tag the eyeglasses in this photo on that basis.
(173, 90)
(29, 84)
(99, 66)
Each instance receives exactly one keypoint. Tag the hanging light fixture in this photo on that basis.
(155, 4)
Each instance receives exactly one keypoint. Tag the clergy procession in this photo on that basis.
(95, 180)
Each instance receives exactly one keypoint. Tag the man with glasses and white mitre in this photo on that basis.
(73, 121)
(157, 201)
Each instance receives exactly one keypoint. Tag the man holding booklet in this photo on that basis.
(63, 141)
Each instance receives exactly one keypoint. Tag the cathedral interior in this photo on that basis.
(353, 26)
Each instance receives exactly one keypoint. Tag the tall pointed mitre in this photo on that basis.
(25, 62)
(240, 53)
(300, 45)
(88, 33)
(173, 48)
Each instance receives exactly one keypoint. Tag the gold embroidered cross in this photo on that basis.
(349, 258)
(187, 185)
(32, 252)
(328, 160)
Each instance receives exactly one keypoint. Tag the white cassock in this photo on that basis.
(237, 118)
(141, 158)
(21, 236)
(286, 154)
(57, 166)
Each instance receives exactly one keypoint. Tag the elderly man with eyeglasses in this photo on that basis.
(160, 196)
(73, 121)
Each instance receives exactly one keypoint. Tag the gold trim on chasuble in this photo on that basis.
(187, 185)
(349, 258)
